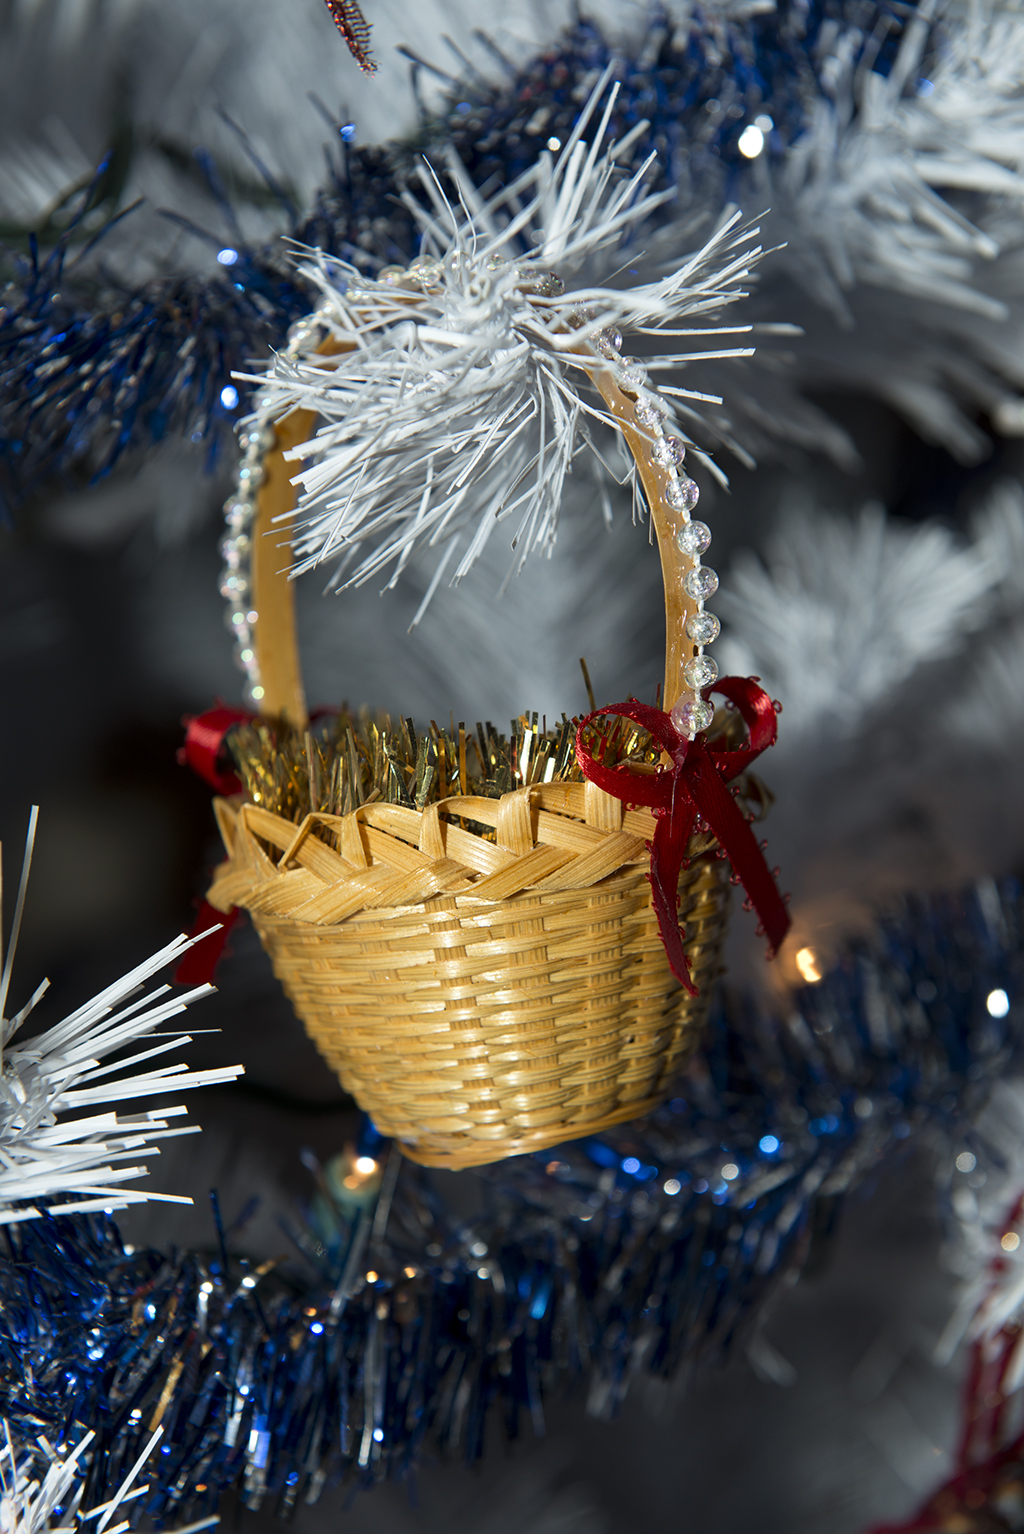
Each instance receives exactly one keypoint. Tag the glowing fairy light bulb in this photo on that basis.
(807, 964)
(751, 141)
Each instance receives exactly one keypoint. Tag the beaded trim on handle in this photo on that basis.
(679, 496)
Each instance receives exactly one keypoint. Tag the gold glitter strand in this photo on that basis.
(347, 761)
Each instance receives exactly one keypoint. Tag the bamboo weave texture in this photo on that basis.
(480, 995)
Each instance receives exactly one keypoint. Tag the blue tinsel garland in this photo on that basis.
(653, 1245)
(90, 369)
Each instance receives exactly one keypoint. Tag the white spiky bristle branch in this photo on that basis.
(41, 1489)
(469, 382)
(85, 1161)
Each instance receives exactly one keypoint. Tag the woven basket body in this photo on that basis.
(481, 992)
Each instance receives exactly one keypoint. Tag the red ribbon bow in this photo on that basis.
(204, 751)
(695, 786)
(204, 748)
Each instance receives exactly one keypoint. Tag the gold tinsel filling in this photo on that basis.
(344, 760)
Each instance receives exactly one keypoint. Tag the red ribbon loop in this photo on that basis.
(204, 750)
(695, 786)
(200, 962)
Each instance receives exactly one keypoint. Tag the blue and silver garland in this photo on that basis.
(92, 368)
(403, 1327)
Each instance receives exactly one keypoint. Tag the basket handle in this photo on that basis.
(674, 563)
(275, 635)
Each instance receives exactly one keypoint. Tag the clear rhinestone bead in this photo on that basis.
(234, 622)
(234, 549)
(700, 583)
(682, 494)
(547, 285)
(701, 671)
(691, 716)
(703, 628)
(237, 514)
(232, 584)
(647, 413)
(429, 272)
(631, 375)
(609, 341)
(392, 274)
(693, 538)
(669, 452)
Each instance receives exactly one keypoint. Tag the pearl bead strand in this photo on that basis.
(691, 712)
(679, 494)
(257, 438)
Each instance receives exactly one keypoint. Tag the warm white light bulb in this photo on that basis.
(751, 141)
(807, 964)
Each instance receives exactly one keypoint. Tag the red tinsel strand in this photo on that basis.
(967, 1501)
(355, 29)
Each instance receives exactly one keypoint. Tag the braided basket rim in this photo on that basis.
(547, 838)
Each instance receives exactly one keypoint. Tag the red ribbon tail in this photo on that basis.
(668, 849)
(200, 962)
(695, 785)
(718, 807)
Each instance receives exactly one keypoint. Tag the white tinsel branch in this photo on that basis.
(41, 1489)
(463, 397)
(870, 600)
(86, 1160)
(897, 214)
(865, 186)
(991, 1253)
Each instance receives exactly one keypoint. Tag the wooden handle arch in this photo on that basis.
(273, 592)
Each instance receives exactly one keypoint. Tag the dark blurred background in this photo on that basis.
(111, 631)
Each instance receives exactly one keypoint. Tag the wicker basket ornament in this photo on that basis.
(486, 975)
(480, 999)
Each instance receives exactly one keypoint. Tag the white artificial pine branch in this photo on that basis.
(86, 1161)
(842, 612)
(999, 531)
(41, 1489)
(991, 1271)
(895, 219)
(898, 654)
(464, 399)
(864, 185)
